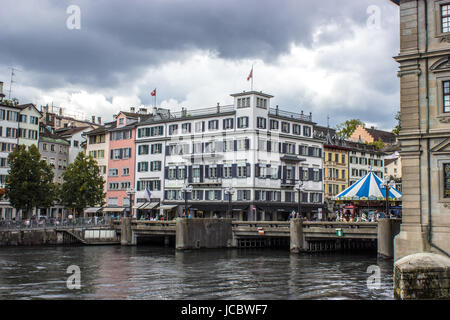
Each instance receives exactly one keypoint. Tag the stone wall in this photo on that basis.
(30, 238)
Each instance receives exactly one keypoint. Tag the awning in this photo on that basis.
(148, 205)
(113, 209)
(92, 210)
(168, 206)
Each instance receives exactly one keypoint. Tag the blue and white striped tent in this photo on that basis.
(368, 188)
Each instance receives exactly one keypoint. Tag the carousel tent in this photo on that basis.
(368, 187)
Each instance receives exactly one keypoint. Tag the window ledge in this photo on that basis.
(444, 117)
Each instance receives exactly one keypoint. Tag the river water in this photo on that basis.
(149, 272)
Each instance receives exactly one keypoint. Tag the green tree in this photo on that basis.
(398, 127)
(30, 181)
(346, 128)
(379, 144)
(82, 184)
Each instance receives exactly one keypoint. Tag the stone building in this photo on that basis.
(424, 72)
(367, 135)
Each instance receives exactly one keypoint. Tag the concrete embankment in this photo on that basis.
(30, 237)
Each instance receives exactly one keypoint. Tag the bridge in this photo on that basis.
(300, 236)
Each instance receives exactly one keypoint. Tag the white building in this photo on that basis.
(75, 135)
(258, 151)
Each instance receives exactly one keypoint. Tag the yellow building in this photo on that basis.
(335, 168)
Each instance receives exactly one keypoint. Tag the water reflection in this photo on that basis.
(115, 272)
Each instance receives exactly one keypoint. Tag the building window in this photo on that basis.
(172, 173)
(228, 123)
(227, 172)
(260, 122)
(242, 122)
(445, 18)
(113, 172)
(242, 172)
(446, 180)
(173, 129)
(307, 131)
(285, 127)
(126, 171)
(274, 125)
(213, 124)
(186, 128)
(297, 129)
(446, 86)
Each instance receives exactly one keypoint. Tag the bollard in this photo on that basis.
(125, 235)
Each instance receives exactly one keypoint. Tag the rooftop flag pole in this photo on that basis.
(250, 76)
(153, 93)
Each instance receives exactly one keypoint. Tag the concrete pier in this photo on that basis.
(126, 237)
(296, 235)
(387, 230)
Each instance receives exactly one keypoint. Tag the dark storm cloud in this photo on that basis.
(119, 39)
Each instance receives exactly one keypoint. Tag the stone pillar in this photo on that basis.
(126, 235)
(422, 276)
(296, 235)
(241, 216)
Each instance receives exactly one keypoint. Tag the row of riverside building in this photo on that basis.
(258, 151)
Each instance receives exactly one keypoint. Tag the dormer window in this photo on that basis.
(120, 121)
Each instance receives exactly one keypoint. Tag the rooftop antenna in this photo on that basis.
(11, 82)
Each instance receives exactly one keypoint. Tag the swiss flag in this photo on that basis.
(250, 75)
(153, 93)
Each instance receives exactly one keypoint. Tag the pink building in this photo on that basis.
(121, 162)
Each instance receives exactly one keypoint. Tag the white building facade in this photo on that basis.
(260, 152)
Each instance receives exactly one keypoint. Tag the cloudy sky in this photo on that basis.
(326, 57)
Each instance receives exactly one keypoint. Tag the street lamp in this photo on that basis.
(387, 185)
(186, 188)
(229, 191)
(130, 193)
(300, 187)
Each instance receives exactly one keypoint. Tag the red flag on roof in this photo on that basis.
(153, 93)
(250, 75)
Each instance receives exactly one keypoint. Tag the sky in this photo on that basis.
(331, 58)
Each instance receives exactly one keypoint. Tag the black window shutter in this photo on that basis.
(249, 174)
(247, 144)
(300, 173)
(320, 174)
(176, 173)
(279, 147)
(200, 194)
(235, 145)
(223, 125)
(166, 172)
(310, 174)
(219, 195)
(269, 145)
(320, 153)
(257, 171)
(206, 171)
(279, 172)
(233, 170)
(284, 173)
(165, 194)
(203, 126)
(257, 194)
(201, 173)
(232, 123)
(167, 150)
(293, 174)
(310, 151)
(220, 170)
(189, 174)
(320, 197)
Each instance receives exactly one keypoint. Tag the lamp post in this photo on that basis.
(186, 188)
(130, 193)
(300, 187)
(229, 191)
(387, 185)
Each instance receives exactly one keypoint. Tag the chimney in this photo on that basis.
(99, 120)
(1, 91)
(218, 107)
(93, 119)
(60, 111)
(132, 109)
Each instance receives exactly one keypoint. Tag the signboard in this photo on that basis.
(260, 231)
(446, 180)
(339, 232)
(319, 214)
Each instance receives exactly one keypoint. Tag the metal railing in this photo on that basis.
(290, 115)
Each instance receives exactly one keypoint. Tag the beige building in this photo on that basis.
(424, 74)
(367, 135)
(28, 131)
